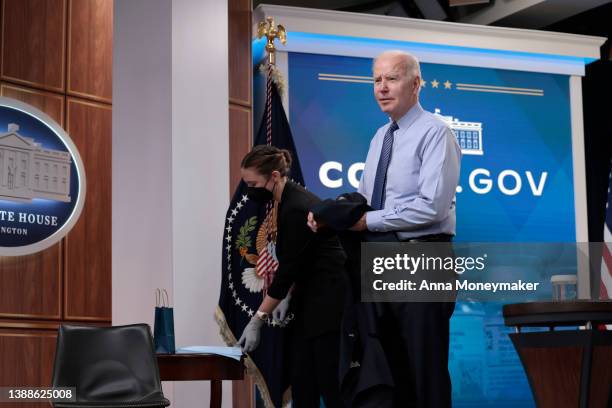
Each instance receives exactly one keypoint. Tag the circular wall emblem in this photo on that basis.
(42, 180)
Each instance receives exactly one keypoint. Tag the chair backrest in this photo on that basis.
(110, 365)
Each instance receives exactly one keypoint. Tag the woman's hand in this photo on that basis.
(251, 335)
(280, 313)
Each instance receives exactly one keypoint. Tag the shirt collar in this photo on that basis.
(409, 117)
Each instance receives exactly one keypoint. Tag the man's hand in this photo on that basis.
(360, 225)
(250, 336)
(312, 224)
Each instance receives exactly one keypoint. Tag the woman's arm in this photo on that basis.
(268, 305)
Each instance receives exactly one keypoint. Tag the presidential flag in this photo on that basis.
(249, 263)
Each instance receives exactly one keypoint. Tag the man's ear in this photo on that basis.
(276, 175)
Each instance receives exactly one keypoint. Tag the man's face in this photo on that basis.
(395, 91)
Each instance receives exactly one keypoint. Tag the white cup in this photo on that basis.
(564, 287)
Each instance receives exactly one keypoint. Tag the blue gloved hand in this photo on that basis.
(251, 335)
(280, 313)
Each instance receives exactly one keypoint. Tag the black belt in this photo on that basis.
(430, 238)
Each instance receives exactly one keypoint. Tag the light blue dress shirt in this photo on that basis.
(421, 179)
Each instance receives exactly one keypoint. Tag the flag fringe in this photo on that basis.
(230, 340)
(277, 77)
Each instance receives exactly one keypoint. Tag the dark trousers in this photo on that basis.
(315, 371)
(415, 337)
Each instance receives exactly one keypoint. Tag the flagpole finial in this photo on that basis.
(271, 32)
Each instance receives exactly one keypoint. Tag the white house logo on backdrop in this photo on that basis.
(468, 134)
(480, 180)
(42, 180)
(28, 171)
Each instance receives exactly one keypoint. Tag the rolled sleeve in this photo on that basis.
(375, 221)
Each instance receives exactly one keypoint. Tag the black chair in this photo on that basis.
(109, 367)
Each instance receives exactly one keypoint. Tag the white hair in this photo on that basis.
(411, 63)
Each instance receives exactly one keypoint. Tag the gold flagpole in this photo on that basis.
(271, 31)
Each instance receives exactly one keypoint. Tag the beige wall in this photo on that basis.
(170, 168)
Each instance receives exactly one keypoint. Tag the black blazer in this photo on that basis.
(314, 262)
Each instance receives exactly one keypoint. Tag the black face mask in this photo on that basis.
(259, 194)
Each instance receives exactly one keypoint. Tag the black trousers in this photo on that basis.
(315, 371)
(415, 337)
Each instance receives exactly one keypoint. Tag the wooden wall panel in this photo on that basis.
(87, 292)
(31, 285)
(71, 281)
(50, 103)
(240, 71)
(90, 49)
(240, 68)
(33, 42)
(241, 140)
(239, 52)
(25, 360)
(46, 325)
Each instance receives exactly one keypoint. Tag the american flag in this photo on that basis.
(266, 267)
(605, 287)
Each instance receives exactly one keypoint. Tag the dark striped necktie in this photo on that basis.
(378, 195)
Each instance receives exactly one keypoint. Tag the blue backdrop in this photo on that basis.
(515, 186)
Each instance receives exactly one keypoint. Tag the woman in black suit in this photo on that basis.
(313, 265)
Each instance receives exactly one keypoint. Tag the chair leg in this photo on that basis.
(215, 393)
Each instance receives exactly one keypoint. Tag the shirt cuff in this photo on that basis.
(374, 221)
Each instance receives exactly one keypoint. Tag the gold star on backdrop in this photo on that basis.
(435, 83)
(447, 84)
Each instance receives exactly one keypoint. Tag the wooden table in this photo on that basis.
(204, 367)
(565, 368)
